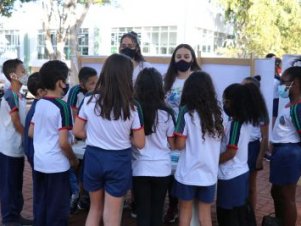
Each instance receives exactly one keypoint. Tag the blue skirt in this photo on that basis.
(285, 165)
(234, 192)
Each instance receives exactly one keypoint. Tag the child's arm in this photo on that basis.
(66, 148)
(31, 130)
(138, 138)
(171, 141)
(264, 143)
(228, 154)
(180, 142)
(232, 146)
(79, 128)
(16, 122)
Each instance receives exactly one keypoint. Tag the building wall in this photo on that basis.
(161, 25)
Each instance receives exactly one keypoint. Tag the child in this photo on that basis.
(285, 165)
(36, 88)
(151, 164)
(53, 152)
(258, 140)
(129, 46)
(107, 119)
(199, 131)
(233, 175)
(87, 77)
(182, 63)
(12, 117)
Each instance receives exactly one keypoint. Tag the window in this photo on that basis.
(10, 43)
(83, 41)
(156, 40)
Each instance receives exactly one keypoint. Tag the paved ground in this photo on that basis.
(264, 206)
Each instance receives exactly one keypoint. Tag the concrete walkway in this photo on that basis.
(264, 205)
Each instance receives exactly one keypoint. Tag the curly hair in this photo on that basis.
(246, 104)
(199, 95)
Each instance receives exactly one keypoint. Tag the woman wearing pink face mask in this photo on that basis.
(183, 62)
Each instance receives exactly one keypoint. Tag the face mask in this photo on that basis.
(23, 80)
(66, 89)
(227, 110)
(129, 52)
(283, 91)
(183, 65)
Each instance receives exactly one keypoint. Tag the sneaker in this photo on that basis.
(25, 222)
(171, 215)
(73, 203)
(267, 157)
(133, 210)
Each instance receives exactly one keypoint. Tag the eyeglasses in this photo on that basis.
(131, 46)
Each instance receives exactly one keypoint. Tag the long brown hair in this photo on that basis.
(171, 73)
(114, 88)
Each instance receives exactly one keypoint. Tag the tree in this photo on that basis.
(262, 26)
(7, 6)
(66, 16)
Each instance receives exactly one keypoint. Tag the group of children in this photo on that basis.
(131, 131)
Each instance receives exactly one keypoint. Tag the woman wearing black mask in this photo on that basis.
(129, 46)
(183, 62)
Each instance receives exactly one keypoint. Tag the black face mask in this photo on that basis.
(183, 65)
(66, 89)
(227, 110)
(131, 53)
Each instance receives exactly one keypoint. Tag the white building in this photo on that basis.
(160, 24)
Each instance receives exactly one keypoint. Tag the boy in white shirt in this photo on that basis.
(12, 111)
(53, 152)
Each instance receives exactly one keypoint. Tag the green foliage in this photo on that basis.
(6, 6)
(262, 26)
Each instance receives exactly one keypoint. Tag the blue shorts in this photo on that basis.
(107, 169)
(234, 192)
(184, 192)
(285, 165)
(253, 152)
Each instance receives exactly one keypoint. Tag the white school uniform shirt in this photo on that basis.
(154, 159)
(51, 115)
(198, 163)
(237, 136)
(75, 96)
(108, 134)
(10, 139)
(288, 125)
(139, 68)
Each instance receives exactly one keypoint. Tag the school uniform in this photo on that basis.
(11, 157)
(254, 145)
(107, 163)
(233, 175)
(28, 141)
(75, 96)
(151, 170)
(285, 165)
(196, 173)
(233, 178)
(51, 166)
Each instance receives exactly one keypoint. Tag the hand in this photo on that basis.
(259, 165)
(74, 163)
